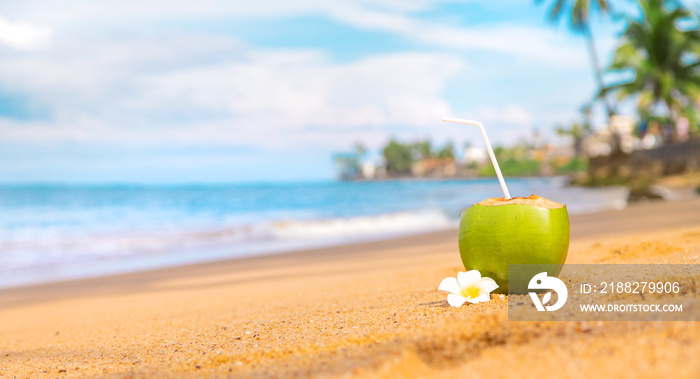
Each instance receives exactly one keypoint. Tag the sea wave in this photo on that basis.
(390, 223)
(49, 234)
(75, 256)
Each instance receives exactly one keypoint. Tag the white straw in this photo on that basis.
(488, 147)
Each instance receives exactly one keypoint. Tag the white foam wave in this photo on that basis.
(25, 253)
(399, 222)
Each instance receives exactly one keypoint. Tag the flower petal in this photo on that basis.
(487, 284)
(450, 285)
(473, 300)
(483, 297)
(456, 300)
(467, 279)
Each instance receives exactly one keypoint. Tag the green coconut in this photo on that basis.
(522, 230)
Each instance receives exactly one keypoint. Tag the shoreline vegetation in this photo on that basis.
(649, 172)
(420, 160)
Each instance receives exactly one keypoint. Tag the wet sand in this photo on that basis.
(364, 310)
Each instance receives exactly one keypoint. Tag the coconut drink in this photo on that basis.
(497, 232)
(522, 230)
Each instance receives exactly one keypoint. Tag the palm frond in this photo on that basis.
(579, 16)
(603, 5)
(556, 10)
(664, 58)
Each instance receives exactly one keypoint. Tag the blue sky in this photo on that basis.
(210, 91)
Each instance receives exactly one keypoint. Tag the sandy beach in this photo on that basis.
(364, 310)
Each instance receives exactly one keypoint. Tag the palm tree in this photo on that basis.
(580, 11)
(664, 58)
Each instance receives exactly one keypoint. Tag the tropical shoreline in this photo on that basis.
(96, 230)
(368, 309)
(638, 217)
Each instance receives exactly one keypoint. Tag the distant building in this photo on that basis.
(369, 170)
(623, 126)
(474, 154)
(602, 142)
(599, 144)
(435, 168)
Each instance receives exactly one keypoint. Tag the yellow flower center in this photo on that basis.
(471, 292)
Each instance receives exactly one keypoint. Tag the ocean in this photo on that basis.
(58, 232)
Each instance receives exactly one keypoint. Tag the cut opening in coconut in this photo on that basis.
(532, 200)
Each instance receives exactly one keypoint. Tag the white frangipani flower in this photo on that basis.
(467, 287)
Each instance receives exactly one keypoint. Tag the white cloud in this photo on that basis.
(511, 114)
(118, 11)
(542, 44)
(534, 43)
(148, 87)
(21, 35)
(214, 90)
